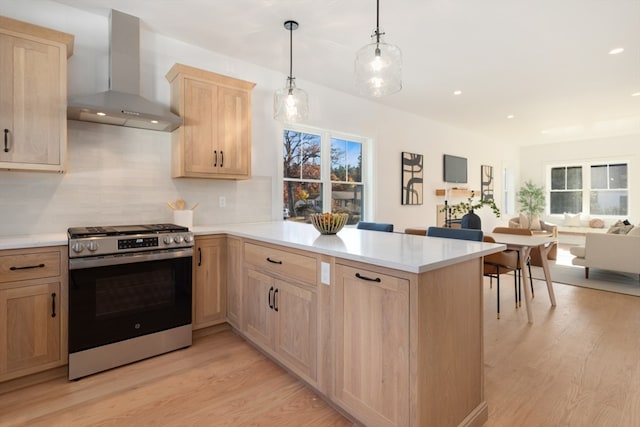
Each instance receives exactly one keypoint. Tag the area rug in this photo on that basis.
(604, 280)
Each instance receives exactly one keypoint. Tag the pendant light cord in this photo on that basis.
(290, 52)
(377, 21)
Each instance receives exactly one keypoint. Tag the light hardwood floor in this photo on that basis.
(577, 365)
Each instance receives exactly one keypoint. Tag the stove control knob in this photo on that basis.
(77, 247)
(92, 246)
(188, 238)
(177, 239)
(167, 240)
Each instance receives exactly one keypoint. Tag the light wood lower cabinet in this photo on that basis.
(209, 290)
(371, 324)
(234, 281)
(33, 311)
(279, 310)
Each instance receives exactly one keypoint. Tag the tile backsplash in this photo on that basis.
(121, 175)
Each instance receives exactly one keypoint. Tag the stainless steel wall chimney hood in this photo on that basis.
(122, 105)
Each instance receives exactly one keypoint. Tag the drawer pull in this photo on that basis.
(274, 261)
(270, 294)
(26, 267)
(6, 140)
(360, 276)
(53, 304)
(275, 299)
(199, 257)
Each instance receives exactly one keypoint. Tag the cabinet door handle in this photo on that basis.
(26, 267)
(6, 140)
(274, 261)
(215, 158)
(270, 294)
(275, 299)
(360, 276)
(199, 257)
(221, 158)
(53, 304)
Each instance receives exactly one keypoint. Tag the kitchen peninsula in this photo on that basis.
(387, 326)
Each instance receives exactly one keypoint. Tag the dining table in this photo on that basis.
(523, 244)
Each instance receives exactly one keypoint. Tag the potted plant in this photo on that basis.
(467, 208)
(531, 199)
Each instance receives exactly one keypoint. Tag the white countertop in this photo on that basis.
(33, 240)
(400, 251)
(406, 252)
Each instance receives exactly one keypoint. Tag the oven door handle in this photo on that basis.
(79, 263)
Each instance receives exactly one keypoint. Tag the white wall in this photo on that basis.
(535, 160)
(122, 175)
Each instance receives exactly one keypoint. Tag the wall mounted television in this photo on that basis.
(454, 169)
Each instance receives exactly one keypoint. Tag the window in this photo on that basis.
(320, 166)
(566, 190)
(595, 189)
(609, 194)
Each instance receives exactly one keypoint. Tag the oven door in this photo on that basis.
(115, 298)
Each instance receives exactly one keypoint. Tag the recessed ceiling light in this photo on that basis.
(510, 116)
(616, 51)
(457, 92)
(101, 114)
(154, 122)
(635, 94)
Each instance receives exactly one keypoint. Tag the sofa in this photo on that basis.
(617, 252)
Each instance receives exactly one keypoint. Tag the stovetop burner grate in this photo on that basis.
(117, 230)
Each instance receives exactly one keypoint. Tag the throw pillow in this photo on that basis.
(524, 221)
(635, 231)
(596, 223)
(626, 229)
(616, 228)
(572, 220)
(535, 223)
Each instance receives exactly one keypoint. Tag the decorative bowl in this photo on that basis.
(329, 223)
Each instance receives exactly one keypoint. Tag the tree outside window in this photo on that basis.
(314, 172)
(302, 192)
(346, 178)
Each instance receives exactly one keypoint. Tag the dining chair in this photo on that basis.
(521, 232)
(375, 226)
(416, 231)
(500, 263)
(456, 233)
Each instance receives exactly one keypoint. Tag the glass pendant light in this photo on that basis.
(290, 103)
(378, 65)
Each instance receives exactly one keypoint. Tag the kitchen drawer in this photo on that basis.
(284, 263)
(16, 266)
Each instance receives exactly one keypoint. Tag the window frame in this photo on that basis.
(586, 186)
(325, 165)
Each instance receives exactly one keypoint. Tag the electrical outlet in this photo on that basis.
(325, 273)
(222, 201)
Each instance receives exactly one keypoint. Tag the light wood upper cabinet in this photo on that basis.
(215, 139)
(33, 310)
(33, 96)
(210, 291)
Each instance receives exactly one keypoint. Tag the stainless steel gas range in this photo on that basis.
(129, 294)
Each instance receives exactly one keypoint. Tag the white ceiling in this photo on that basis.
(546, 61)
